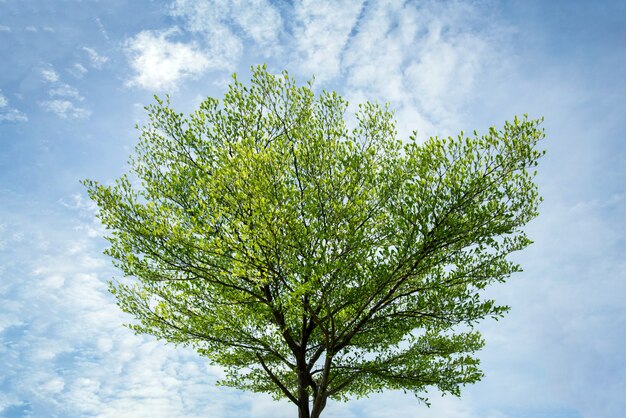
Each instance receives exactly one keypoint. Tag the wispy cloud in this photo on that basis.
(259, 20)
(103, 31)
(427, 56)
(575, 321)
(443, 65)
(49, 75)
(321, 32)
(225, 25)
(64, 352)
(65, 90)
(65, 97)
(161, 64)
(65, 109)
(8, 113)
(78, 70)
(97, 60)
(422, 57)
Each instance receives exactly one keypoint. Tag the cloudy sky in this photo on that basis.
(75, 76)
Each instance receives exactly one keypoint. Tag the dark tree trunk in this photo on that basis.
(321, 392)
(303, 407)
(303, 394)
(318, 407)
(304, 412)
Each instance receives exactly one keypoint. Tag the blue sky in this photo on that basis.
(75, 76)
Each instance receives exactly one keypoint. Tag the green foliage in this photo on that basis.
(311, 260)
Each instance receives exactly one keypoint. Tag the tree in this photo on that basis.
(310, 260)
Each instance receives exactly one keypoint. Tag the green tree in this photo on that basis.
(310, 260)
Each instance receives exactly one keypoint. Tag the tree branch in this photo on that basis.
(278, 383)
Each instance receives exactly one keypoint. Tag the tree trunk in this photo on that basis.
(321, 394)
(318, 407)
(303, 412)
(303, 394)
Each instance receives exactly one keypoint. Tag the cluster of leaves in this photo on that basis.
(312, 260)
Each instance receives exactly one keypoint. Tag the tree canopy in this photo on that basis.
(312, 260)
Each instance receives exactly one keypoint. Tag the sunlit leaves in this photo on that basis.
(311, 259)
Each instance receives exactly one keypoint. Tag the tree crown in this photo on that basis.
(312, 260)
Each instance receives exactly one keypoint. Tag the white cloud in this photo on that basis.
(321, 32)
(223, 46)
(103, 31)
(225, 25)
(65, 109)
(399, 404)
(65, 106)
(65, 90)
(78, 70)
(61, 346)
(444, 74)
(49, 75)
(258, 19)
(97, 60)
(9, 114)
(12, 115)
(64, 351)
(571, 325)
(422, 57)
(161, 64)
(86, 208)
